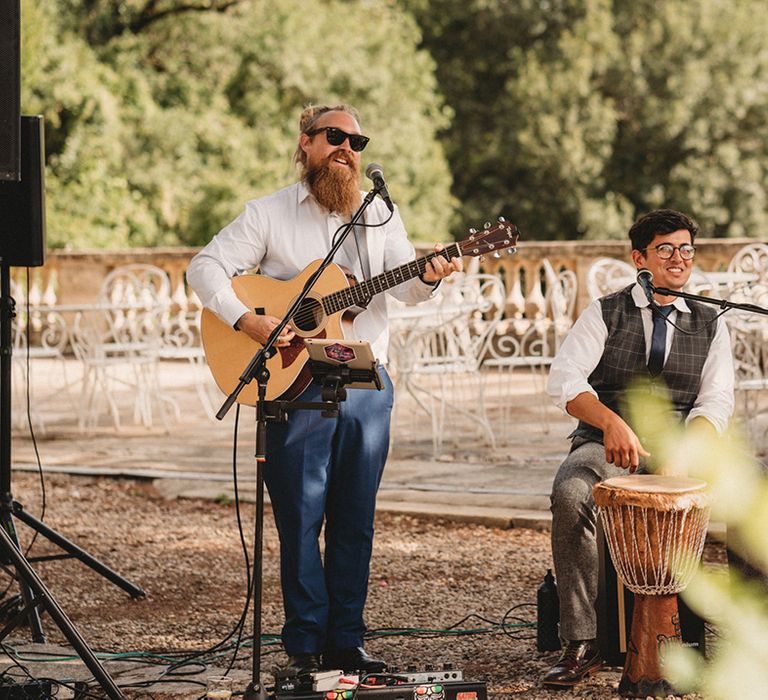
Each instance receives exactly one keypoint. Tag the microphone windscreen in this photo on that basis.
(644, 275)
(374, 170)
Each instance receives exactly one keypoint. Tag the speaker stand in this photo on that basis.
(33, 591)
(40, 596)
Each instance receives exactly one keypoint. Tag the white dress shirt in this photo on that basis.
(281, 234)
(583, 347)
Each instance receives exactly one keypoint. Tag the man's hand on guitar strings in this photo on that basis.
(439, 268)
(259, 327)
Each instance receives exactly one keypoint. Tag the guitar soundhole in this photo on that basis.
(309, 316)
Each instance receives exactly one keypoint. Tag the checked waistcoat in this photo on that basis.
(624, 358)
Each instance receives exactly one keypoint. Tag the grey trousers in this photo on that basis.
(574, 546)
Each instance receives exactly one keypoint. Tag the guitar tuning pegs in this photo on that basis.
(511, 251)
(497, 255)
(487, 225)
(501, 219)
(473, 231)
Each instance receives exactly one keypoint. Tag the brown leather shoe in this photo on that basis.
(580, 658)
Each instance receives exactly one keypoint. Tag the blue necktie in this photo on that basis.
(658, 338)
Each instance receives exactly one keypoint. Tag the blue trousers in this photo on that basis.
(327, 469)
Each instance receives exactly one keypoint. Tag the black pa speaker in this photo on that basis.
(22, 204)
(10, 89)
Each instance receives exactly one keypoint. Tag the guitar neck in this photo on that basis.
(359, 294)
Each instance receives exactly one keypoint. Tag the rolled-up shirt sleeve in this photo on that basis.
(715, 400)
(577, 357)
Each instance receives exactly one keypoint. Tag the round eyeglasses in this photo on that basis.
(666, 250)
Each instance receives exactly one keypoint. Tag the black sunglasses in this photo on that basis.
(357, 142)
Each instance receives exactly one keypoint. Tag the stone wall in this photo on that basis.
(74, 277)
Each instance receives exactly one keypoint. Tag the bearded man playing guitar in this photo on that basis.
(318, 468)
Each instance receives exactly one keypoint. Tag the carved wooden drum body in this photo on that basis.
(655, 527)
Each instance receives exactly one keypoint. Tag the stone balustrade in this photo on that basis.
(526, 265)
(75, 277)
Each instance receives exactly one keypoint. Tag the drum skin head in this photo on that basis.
(656, 483)
(652, 491)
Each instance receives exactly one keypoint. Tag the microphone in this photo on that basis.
(645, 280)
(375, 173)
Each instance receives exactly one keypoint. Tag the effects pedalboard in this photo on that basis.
(429, 684)
(26, 690)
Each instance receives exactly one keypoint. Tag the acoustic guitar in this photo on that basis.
(325, 313)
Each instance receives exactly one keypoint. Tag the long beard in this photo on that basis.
(336, 189)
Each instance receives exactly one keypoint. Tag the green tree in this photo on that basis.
(573, 116)
(691, 94)
(164, 117)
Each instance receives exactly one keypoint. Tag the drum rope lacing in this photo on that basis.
(655, 552)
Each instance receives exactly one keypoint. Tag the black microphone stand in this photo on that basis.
(724, 304)
(257, 368)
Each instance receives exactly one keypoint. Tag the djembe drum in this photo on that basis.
(655, 527)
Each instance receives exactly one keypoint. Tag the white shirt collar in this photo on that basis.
(638, 296)
(301, 191)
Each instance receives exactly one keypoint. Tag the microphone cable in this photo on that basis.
(693, 331)
(654, 305)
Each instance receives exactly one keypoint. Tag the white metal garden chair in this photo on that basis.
(749, 344)
(607, 275)
(119, 347)
(436, 350)
(39, 336)
(749, 274)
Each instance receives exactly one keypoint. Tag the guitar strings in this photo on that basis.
(390, 277)
(386, 280)
(313, 278)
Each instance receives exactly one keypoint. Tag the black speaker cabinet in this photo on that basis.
(614, 612)
(22, 204)
(10, 89)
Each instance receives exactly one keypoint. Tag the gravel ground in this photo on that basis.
(426, 574)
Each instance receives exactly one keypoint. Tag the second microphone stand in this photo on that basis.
(724, 304)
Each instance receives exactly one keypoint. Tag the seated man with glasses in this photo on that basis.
(321, 471)
(617, 339)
